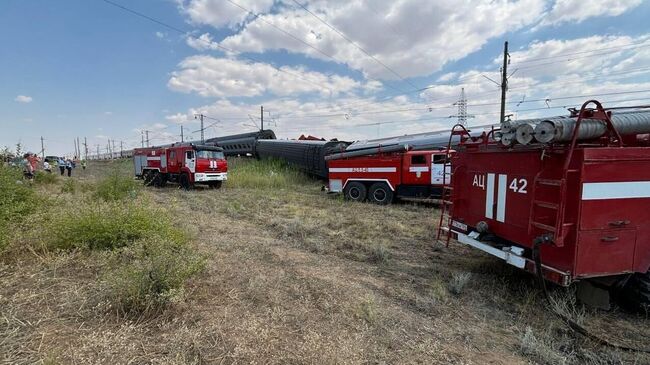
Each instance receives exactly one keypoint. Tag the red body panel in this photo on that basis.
(397, 169)
(607, 204)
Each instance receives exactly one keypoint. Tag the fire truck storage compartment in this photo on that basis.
(607, 203)
(139, 162)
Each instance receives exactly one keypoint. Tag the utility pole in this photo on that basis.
(142, 135)
(113, 146)
(85, 148)
(200, 116)
(97, 157)
(78, 148)
(121, 148)
(42, 149)
(110, 152)
(182, 140)
(261, 118)
(504, 81)
(147, 140)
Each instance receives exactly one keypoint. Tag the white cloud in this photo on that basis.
(412, 37)
(223, 77)
(178, 118)
(577, 11)
(160, 35)
(602, 54)
(359, 116)
(23, 99)
(202, 43)
(108, 113)
(221, 13)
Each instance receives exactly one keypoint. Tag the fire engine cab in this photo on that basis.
(184, 163)
(380, 177)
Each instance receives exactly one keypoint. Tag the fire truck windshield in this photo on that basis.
(210, 154)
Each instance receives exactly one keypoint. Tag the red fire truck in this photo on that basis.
(382, 176)
(184, 163)
(569, 211)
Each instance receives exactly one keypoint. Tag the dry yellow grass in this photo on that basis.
(296, 276)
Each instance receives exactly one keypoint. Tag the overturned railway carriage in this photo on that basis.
(308, 156)
(241, 144)
(567, 211)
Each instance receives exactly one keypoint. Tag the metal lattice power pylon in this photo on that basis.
(462, 109)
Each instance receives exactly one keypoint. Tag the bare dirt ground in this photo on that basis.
(297, 276)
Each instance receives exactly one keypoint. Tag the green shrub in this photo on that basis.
(108, 226)
(265, 173)
(116, 187)
(151, 275)
(69, 186)
(45, 178)
(17, 199)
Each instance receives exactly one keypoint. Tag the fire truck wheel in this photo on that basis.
(157, 180)
(380, 193)
(215, 185)
(185, 182)
(147, 178)
(355, 191)
(636, 293)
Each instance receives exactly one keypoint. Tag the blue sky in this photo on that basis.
(88, 69)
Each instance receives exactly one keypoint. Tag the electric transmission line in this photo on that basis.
(356, 45)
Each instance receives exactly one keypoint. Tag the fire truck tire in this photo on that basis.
(636, 293)
(215, 185)
(184, 182)
(157, 180)
(355, 191)
(380, 193)
(147, 177)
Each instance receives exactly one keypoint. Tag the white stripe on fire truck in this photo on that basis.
(363, 169)
(501, 197)
(616, 190)
(489, 197)
(154, 158)
(418, 169)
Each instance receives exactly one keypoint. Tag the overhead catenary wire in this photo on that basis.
(429, 108)
(433, 118)
(570, 59)
(641, 44)
(356, 45)
(261, 18)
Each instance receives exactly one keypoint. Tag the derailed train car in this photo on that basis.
(308, 156)
(243, 144)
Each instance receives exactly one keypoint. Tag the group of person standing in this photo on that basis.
(66, 165)
(30, 163)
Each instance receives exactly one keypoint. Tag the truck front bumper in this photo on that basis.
(207, 177)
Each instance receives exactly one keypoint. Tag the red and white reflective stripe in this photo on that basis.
(213, 164)
(363, 169)
(501, 197)
(154, 158)
(489, 197)
(616, 190)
